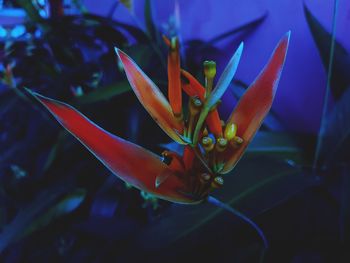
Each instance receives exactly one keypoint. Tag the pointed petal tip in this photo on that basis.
(289, 33)
(116, 50)
(241, 46)
(286, 37)
(36, 95)
(119, 53)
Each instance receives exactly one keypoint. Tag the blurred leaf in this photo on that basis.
(245, 27)
(30, 9)
(341, 67)
(282, 146)
(336, 139)
(150, 26)
(105, 93)
(345, 205)
(128, 4)
(198, 51)
(43, 210)
(55, 150)
(252, 189)
(135, 32)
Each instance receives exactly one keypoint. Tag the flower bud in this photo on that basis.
(230, 131)
(209, 69)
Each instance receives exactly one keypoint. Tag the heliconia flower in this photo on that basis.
(212, 147)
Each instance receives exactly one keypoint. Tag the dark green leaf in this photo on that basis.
(345, 206)
(105, 93)
(281, 146)
(48, 206)
(150, 26)
(336, 138)
(341, 67)
(256, 185)
(248, 26)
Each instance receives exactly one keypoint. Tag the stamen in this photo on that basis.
(204, 178)
(217, 182)
(207, 143)
(221, 144)
(205, 132)
(195, 106)
(209, 73)
(236, 141)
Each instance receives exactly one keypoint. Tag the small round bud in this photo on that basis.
(207, 143)
(204, 177)
(195, 105)
(209, 69)
(221, 144)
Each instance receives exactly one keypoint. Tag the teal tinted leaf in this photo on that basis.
(341, 66)
(225, 78)
(282, 146)
(250, 188)
(48, 206)
(105, 93)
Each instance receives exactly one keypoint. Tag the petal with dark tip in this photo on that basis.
(130, 162)
(256, 103)
(151, 98)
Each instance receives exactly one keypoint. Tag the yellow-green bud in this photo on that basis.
(209, 69)
(230, 131)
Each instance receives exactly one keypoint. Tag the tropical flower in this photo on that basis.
(212, 147)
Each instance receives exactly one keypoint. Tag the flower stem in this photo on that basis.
(228, 208)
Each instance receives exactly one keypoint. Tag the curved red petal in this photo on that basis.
(256, 102)
(130, 162)
(151, 98)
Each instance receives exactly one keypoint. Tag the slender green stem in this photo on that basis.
(329, 78)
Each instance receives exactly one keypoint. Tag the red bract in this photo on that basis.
(212, 147)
